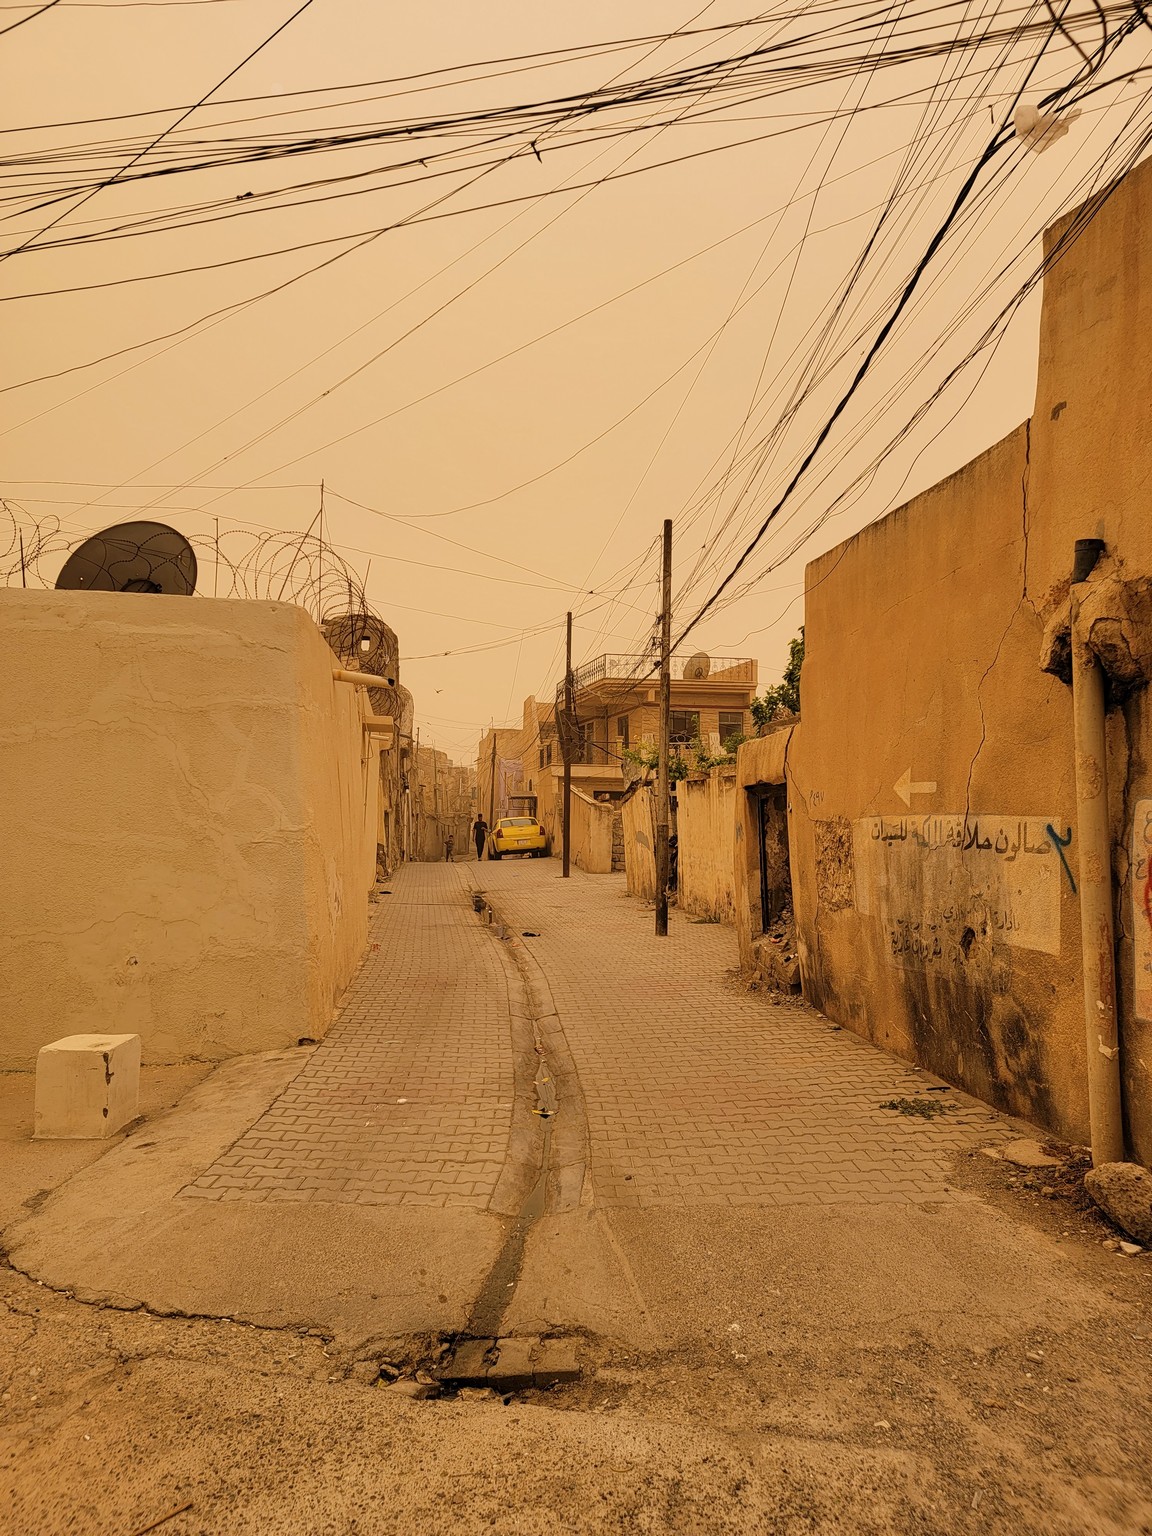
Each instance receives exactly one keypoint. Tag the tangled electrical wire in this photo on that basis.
(750, 471)
(812, 48)
(769, 474)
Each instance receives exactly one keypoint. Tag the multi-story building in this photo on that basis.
(364, 643)
(445, 803)
(617, 708)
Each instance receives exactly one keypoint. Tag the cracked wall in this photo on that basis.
(189, 830)
(929, 726)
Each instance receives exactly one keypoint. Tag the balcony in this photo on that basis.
(645, 667)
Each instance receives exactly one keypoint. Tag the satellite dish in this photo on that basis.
(697, 667)
(131, 557)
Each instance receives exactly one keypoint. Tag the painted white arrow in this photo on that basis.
(906, 788)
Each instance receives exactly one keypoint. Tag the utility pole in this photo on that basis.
(492, 787)
(566, 743)
(663, 790)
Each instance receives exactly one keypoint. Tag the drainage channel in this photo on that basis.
(481, 1356)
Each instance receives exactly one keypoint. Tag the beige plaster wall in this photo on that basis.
(639, 817)
(705, 831)
(1089, 478)
(921, 658)
(189, 824)
(591, 834)
(762, 760)
(923, 638)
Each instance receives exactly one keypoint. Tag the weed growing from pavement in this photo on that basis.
(927, 1109)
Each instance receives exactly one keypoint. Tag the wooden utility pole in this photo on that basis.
(663, 789)
(492, 787)
(566, 747)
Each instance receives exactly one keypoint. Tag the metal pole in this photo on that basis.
(566, 745)
(663, 789)
(1097, 936)
(320, 577)
(491, 793)
(23, 567)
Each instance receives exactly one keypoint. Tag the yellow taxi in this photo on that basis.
(517, 834)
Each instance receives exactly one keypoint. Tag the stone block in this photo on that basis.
(556, 1360)
(468, 1362)
(87, 1086)
(1124, 1192)
(515, 1361)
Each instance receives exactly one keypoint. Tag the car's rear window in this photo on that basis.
(518, 821)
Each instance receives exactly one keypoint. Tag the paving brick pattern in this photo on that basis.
(698, 1093)
(408, 1100)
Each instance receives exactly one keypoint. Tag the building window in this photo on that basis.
(541, 764)
(548, 753)
(622, 731)
(684, 725)
(731, 724)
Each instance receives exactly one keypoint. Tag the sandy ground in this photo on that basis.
(770, 1380)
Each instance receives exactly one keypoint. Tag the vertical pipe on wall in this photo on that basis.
(566, 744)
(1095, 840)
(663, 788)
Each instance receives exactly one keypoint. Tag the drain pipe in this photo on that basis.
(1096, 924)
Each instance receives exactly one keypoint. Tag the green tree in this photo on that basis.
(784, 698)
(646, 759)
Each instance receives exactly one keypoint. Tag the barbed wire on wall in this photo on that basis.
(267, 565)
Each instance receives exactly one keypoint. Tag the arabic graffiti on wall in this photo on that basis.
(940, 884)
(1142, 908)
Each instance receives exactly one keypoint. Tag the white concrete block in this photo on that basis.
(87, 1086)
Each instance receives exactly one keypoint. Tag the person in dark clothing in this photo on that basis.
(480, 834)
(449, 845)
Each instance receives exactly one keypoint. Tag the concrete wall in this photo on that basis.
(189, 824)
(705, 831)
(639, 817)
(591, 834)
(948, 928)
(759, 762)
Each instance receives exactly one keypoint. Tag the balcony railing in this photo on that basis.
(644, 668)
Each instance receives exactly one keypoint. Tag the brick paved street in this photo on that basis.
(409, 1098)
(698, 1093)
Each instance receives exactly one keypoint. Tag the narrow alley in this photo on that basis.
(576, 744)
(798, 1295)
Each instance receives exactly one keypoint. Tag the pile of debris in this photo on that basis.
(775, 964)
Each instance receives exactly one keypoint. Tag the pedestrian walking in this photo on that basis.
(449, 845)
(480, 835)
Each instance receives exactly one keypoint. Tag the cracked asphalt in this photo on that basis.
(940, 1347)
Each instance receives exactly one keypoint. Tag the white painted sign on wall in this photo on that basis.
(939, 883)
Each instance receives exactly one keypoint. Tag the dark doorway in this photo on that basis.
(775, 875)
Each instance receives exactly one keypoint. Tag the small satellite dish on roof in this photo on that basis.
(697, 667)
(131, 557)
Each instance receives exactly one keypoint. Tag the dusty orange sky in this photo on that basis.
(642, 398)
